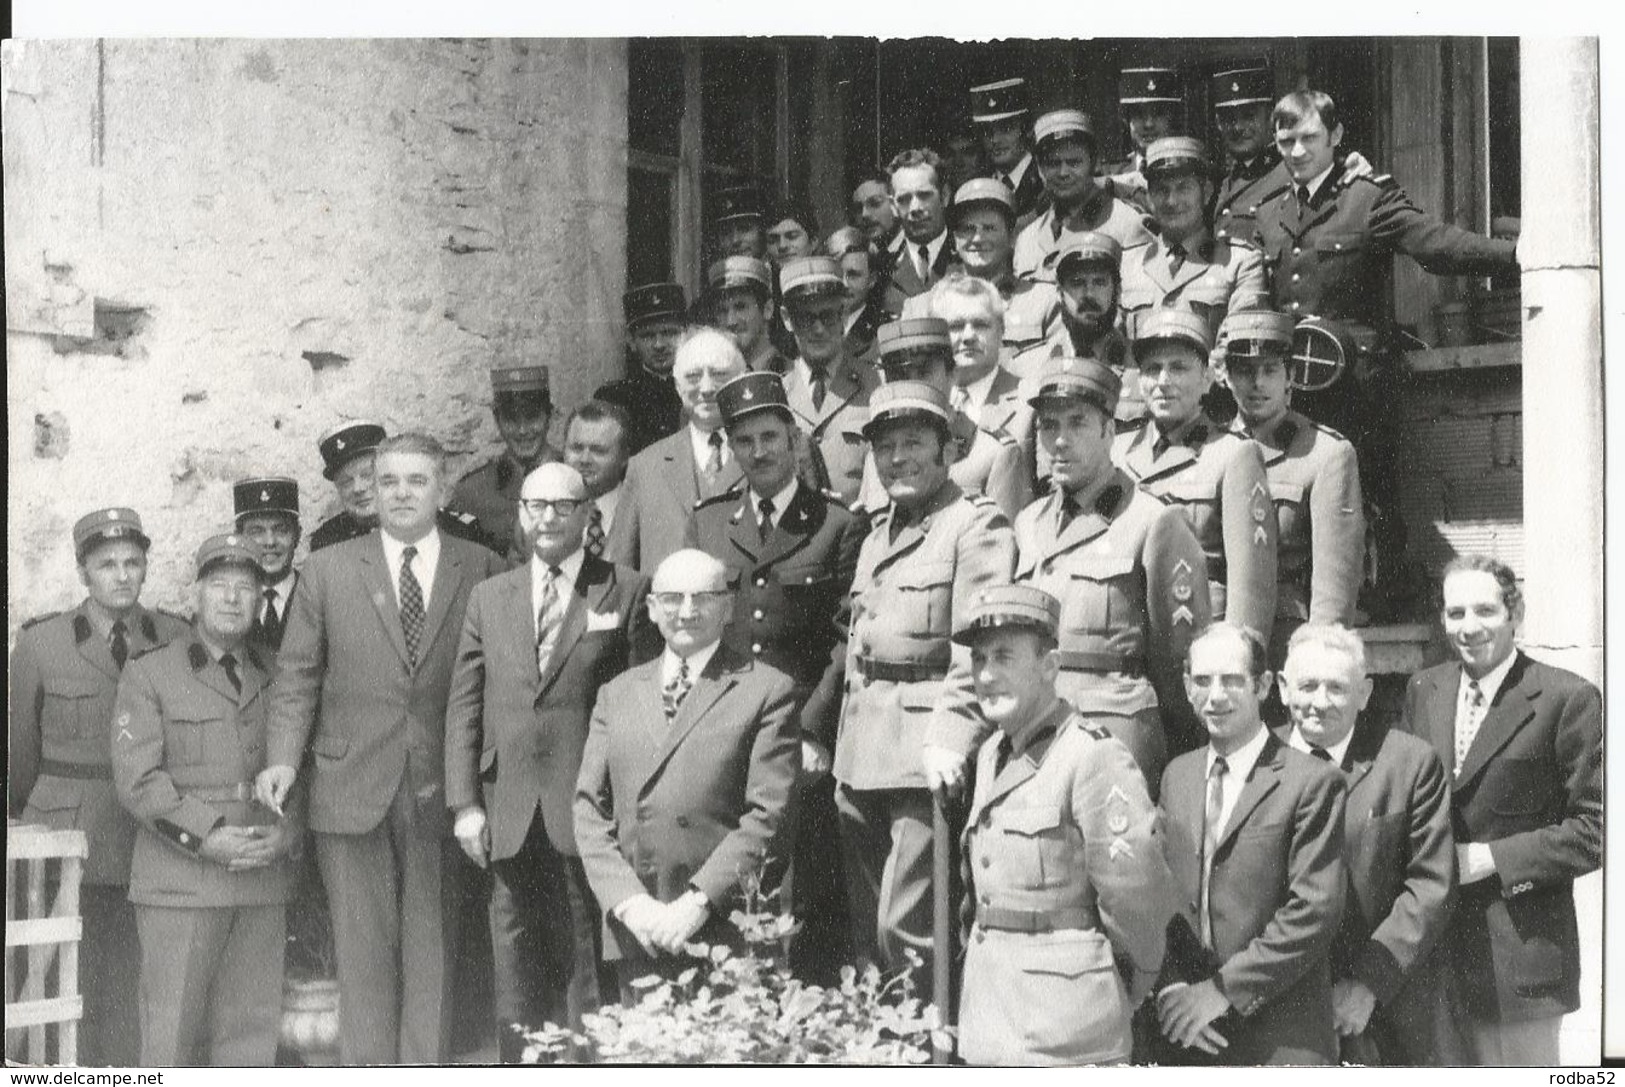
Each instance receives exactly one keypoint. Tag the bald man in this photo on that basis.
(685, 779)
(537, 643)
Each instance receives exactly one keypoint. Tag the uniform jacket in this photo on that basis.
(491, 494)
(905, 280)
(1531, 786)
(1220, 481)
(63, 681)
(1032, 312)
(788, 590)
(186, 750)
(1217, 277)
(1242, 191)
(904, 598)
(343, 686)
(985, 462)
(698, 802)
(652, 401)
(1132, 581)
(1066, 825)
(1028, 192)
(514, 736)
(1314, 479)
(1401, 862)
(1275, 898)
(344, 525)
(662, 488)
(860, 338)
(1126, 180)
(1102, 212)
(1335, 258)
(836, 428)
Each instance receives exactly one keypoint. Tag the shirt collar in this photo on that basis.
(428, 552)
(1337, 751)
(702, 444)
(781, 501)
(933, 248)
(979, 390)
(696, 663)
(606, 504)
(569, 572)
(1491, 683)
(284, 588)
(1313, 185)
(1240, 763)
(1019, 174)
(853, 318)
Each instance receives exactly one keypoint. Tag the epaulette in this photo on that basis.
(144, 650)
(38, 619)
(467, 519)
(1097, 731)
(1382, 181)
(175, 615)
(732, 494)
(1196, 436)
(1108, 500)
(197, 656)
(81, 629)
(1329, 431)
(1131, 426)
(1001, 434)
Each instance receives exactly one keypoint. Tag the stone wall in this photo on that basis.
(216, 250)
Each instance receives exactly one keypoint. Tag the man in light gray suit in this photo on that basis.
(370, 640)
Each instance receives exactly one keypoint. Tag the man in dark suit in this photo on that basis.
(685, 780)
(1386, 996)
(370, 641)
(666, 481)
(1255, 841)
(1524, 740)
(654, 324)
(921, 197)
(537, 644)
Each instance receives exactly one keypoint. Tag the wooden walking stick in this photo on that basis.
(941, 960)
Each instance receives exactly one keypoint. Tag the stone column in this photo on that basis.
(1560, 251)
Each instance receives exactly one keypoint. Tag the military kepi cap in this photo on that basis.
(654, 301)
(1010, 606)
(998, 101)
(1241, 87)
(1090, 247)
(112, 523)
(1252, 333)
(345, 442)
(1172, 323)
(1067, 378)
(1061, 123)
(228, 548)
(1175, 155)
(265, 494)
(894, 337)
(738, 202)
(519, 379)
(809, 276)
(746, 394)
(739, 272)
(982, 190)
(900, 400)
(1143, 86)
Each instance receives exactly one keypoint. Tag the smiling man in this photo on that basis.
(267, 512)
(741, 304)
(523, 409)
(1066, 161)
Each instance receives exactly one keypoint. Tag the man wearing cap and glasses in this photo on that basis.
(1068, 938)
(1127, 568)
(999, 111)
(210, 874)
(791, 552)
(909, 725)
(523, 409)
(64, 675)
(741, 304)
(267, 512)
(655, 314)
(537, 644)
(1066, 160)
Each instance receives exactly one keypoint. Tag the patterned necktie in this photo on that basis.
(271, 624)
(673, 693)
(229, 663)
(1467, 727)
(547, 619)
(764, 522)
(595, 532)
(713, 460)
(1212, 817)
(119, 644)
(411, 605)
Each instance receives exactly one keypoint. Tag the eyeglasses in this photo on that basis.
(672, 602)
(830, 317)
(564, 507)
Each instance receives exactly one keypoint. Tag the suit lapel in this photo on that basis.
(1263, 780)
(1439, 706)
(719, 676)
(448, 577)
(375, 577)
(796, 526)
(593, 584)
(1512, 709)
(683, 471)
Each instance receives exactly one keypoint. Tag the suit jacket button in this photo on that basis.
(760, 582)
(1296, 251)
(987, 861)
(756, 647)
(757, 614)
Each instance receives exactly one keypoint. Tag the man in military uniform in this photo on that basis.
(909, 725)
(267, 515)
(981, 462)
(920, 194)
(791, 551)
(1066, 160)
(1126, 566)
(863, 279)
(741, 304)
(655, 314)
(826, 388)
(737, 229)
(210, 873)
(999, 111)
(1186, 265)
(1088, 276)
(1152, 101)
(348, 453)
(64, 674)
(1314, 478)
(523, 408)
(1217, 477)
(1068, 938)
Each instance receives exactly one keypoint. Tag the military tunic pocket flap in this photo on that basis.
(1074, 958)
(1030, 821)
(1192, 490)
(1339, 243)
(1282, 491)
(51, 794)
(72, 687)
(924, 575)
(918, 696)
(332, 747)
(1101, 567)
(1023, 331)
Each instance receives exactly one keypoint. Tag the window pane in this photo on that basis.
(737, 103)
(648, 227)
(654, 108)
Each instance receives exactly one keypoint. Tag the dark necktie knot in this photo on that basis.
(229, 663)
(118, 643)
(1320, 753)
(764, 519)
(1219, 768)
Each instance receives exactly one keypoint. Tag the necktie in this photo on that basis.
(1176, 259)
(1303, 198)
(119, 644)
(1212, 817)
(411, 605)
(1069, 508)
(271, 624)
(764, 520)
(713, 460)
(595, 532)
(676, 690)
(959, 399)
(1320, 753)
(1467, 727)
(547, 619)
(925, 263)
(818, 387)
(1009, 182)
(229, 663)
(1161, 445)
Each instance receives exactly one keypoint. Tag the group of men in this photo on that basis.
(935, 524)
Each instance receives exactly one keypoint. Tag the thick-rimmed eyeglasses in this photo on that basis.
(564, 507)
(672, 602)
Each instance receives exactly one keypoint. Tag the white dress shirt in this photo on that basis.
(607, 503)
(701, 440)
(1312, 186)
(423, 566)
(1336, 751)
(1017, 175)
(781, 502)
(933, 250)
(283, 590)
(1238, 767)
(1475, 859)
(977, 392)
(670, 662)
(569, 571)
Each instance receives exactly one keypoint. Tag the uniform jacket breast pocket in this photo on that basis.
(53, 803)
(924, 596)
(185, 739)
(1097, 597)
(1332, 247)
(70, 708)
(1022, 333)
(1037, 845)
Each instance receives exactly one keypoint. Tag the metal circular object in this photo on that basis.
(1318, 358)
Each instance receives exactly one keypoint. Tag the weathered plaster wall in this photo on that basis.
(215, 250)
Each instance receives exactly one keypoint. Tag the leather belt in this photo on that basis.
(1076, 660)
(84, 771)
(1062, 917)
(898, 671)
(242, 791)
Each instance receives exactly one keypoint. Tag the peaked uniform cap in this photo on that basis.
(738, 202)
(345, 442)
(1173, 323)
(903, 400)
(109, 523)
(227, 547)
(1090, 247)
(998, 101)
(1251, 333)
(1241, 86)
(519, 379)
(654, 301)
(1063, 122)
(1010, 606)
(982, 190)
(1066, 377)
(895, 336)
(806, 276)
(739, 272)
(1142, 86)
(1175, 155)
(756, 391)
(265, 494)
